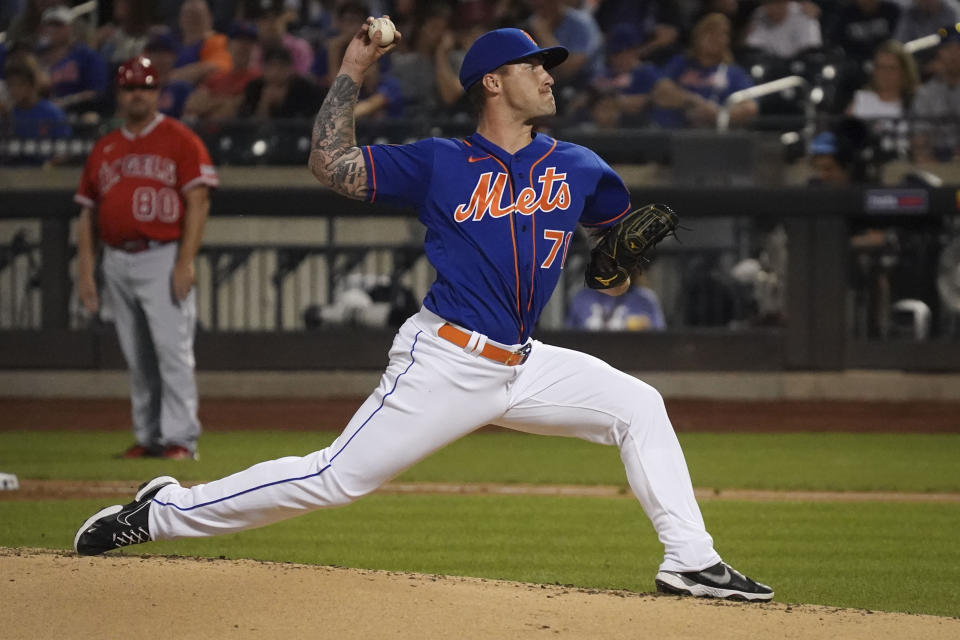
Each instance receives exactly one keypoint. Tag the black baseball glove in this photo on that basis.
(624, 247)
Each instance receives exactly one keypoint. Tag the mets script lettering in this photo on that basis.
(138, 166)
(487, 197)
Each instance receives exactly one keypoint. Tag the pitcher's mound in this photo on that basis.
(46, 594)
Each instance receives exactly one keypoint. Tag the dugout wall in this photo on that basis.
(817, 326)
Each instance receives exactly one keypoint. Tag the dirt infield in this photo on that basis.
(120, 491)
(162, 597)
(334, 413)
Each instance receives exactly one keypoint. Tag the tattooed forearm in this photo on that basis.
(335, 159)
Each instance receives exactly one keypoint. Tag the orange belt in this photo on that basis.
(490, 352)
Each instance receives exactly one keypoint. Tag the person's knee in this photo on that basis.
(337, 497)
(173, 356)
(652, 397)
(648, 407)
(643, 397)
(340, 491)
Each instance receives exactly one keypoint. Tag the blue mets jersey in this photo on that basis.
(498, 225)
(82, 69)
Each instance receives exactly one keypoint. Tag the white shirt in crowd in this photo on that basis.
(796, 32)
(867, 105)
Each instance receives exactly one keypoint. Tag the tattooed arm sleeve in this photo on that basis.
(335, 159)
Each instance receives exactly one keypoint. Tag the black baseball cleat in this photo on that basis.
(719, 581)
(120, 526)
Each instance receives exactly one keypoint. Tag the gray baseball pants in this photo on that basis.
(156, 336)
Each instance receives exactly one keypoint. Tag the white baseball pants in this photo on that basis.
(433, 393)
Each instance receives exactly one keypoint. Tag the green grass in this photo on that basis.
(884, 556)
(816, 461)
(895, 557)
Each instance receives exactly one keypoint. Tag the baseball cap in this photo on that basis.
(496, 48)
(60, 14)
(622, 37)
(137, 72)
(161, 42)
(824, 144)
(243, 30)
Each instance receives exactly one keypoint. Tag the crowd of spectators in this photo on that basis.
(633, 63)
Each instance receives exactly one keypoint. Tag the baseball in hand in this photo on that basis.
(386, 29)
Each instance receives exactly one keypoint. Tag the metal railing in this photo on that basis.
(20, 296)
(758, 91)
(815, 94)
(288, 288)
(78, 11)
(920, 44)
(706, 330)
(297, 287)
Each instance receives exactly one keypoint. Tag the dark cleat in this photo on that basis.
(719, 581)
(120, 526)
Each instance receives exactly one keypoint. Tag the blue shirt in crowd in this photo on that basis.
(640, 81)
(173, 98)
(82, 69)
(636, 310)
(714, 83)
(42, 120)
(579, 33)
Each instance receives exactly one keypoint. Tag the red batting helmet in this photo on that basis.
(137, 72)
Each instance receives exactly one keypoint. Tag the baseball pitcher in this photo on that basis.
(500, 207)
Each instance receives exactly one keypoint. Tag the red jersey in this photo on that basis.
(137, 182)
